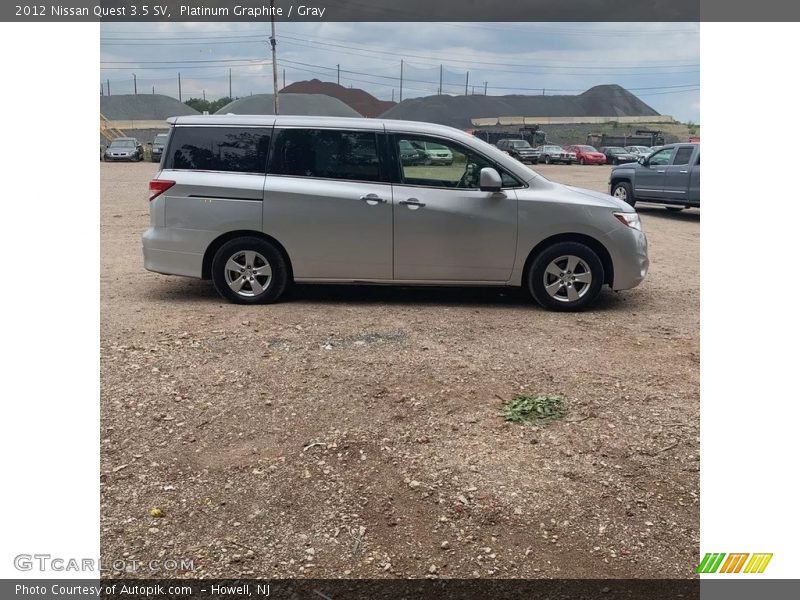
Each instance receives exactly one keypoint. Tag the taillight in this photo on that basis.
(159, 186)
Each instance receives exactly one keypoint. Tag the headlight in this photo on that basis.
(631, 219)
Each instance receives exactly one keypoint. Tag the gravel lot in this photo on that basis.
(354, 431)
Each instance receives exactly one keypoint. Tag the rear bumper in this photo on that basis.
(160, 255)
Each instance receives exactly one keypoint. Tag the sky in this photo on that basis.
(659, 62)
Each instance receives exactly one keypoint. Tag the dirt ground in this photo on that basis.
(354, 431)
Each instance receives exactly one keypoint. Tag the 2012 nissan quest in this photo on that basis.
(257, 202)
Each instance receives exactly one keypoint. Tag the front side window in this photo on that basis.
(662, 157)
(232, 149)
(461, 170)
(326, 153)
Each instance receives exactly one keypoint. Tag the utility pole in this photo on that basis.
(154, 90)
(204, 95)
(440, 79)
(337, 74)
(466, 85)
(274, 56)
(401, 80)
(101, 89)
(284, 79)
(485, 87)
(108, 87)
(180, 94)
(230, 83)
(135, 91)
(392, 94)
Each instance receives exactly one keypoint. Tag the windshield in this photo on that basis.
(587, 148)
(160, 138)
(553, 148)
(615, 150)
(519, 144)
(432, 146)
(122, 144)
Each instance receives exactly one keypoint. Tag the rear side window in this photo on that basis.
(683, 156)
(326, 153)
(232, 149)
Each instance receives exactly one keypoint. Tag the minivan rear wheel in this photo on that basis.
(249, 270)
(566, 276)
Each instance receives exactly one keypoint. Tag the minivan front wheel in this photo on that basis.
(249, 270)
(566, 276)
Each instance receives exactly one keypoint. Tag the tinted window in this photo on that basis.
(234, 149)
(683, 156)
(329, 154)
(461, 169)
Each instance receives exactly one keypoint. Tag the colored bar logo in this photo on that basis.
(719, 562)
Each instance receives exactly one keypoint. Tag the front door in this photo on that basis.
(650, 178)
(445, 228)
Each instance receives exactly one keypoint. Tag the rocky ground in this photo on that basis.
(355, 432)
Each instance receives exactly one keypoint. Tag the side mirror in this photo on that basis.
(490, 180)
(642, 161)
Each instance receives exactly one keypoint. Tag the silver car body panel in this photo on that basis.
(361, 232)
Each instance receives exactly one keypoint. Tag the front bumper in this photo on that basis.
(628, 249)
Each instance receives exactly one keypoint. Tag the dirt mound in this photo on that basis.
(290, 104)
(143, 107)
(362, 102)
(457, 111)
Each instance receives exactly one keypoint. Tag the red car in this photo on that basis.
(588, 155)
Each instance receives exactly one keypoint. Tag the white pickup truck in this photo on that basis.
(670, 175)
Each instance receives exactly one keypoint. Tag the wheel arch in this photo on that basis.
(598, 247)
(215, 245)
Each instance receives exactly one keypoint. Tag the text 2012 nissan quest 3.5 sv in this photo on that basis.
(257, 202)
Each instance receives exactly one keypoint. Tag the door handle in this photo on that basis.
(373, 199)
(664, 171)
(684, 171)
(412, 203)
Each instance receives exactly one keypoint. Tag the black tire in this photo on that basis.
(624, 185)
(275, 286)
(569, 162)
(616, 161)
(536, 274)
(547, 159)
(582, 162)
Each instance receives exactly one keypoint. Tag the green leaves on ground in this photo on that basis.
(531, 408)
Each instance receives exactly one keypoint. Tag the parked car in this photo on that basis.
(158, 147)
(587, 155)
(220, 210)
(639, 151)
(669, 176)
(124, 148)
(435, 154)
(616, 155)
(554, 154)
(519, 149)
(411, 155)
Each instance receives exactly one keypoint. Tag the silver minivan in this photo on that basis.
(255, 203)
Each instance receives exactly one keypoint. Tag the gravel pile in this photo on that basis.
(362, 102)
(457, 111)
(290, 104)
(143, 107)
